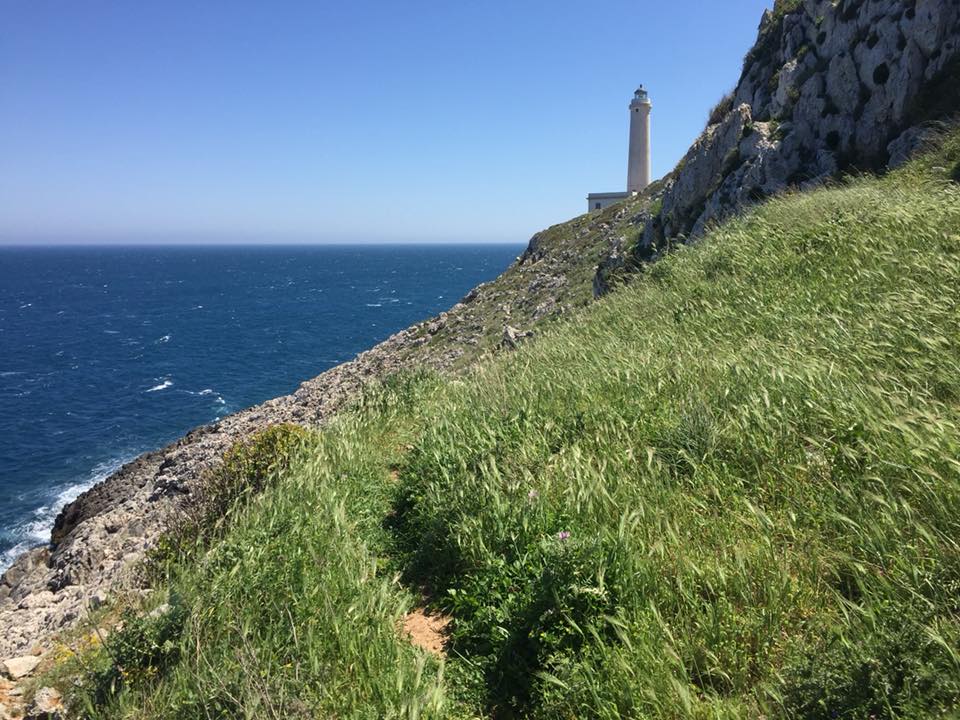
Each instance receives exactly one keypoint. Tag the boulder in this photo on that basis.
(18, 667)
(902, 148)
(512, 337)
(47, 705)
(843, 83)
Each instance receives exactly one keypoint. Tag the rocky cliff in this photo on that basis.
(101, 539)
(828, 87)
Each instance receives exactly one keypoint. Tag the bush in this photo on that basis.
(247, 468)
(720, 110)
(136, 654)
(895, 665)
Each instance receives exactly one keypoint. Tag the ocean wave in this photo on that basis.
(207, 392)
(164, 339)
(34, 530)
(162, 386)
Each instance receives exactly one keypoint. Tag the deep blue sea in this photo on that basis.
(107, 352)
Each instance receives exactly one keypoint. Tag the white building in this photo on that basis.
(638, 156)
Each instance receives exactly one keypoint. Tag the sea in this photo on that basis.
(107, 352)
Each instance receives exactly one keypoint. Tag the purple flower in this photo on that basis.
(563, 535)
(533, 495)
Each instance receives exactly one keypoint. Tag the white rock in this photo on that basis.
(16, 668)
(47, 705)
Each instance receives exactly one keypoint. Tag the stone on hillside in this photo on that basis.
(47, 705)
(929, 23)
(512, 336)
(159, 611)
(18, 667)
(909, 142)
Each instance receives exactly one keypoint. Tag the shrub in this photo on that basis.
(894, 664)
(247, 468)
(720, 110)
(135, 655)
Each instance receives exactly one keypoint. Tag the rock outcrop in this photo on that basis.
(829, 86)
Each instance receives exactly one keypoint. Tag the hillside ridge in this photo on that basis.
(100, 540)
(798, 116)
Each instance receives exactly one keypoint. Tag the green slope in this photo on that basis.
(729, 489)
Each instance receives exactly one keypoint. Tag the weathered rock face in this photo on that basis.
(829, 85)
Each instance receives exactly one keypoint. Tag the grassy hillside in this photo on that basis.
(730, 489)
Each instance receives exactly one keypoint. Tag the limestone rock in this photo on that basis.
(98, 600)
(512, 336)
(908, 143)
(18, 667)
(47, 705)
(824, 89)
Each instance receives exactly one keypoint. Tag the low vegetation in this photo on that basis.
(729, 489)
(720, 110)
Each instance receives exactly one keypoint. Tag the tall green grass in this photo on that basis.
(729, 489)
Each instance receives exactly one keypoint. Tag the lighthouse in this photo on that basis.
(638, 154)
(638, 163)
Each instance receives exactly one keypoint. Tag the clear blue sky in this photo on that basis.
(308, 120)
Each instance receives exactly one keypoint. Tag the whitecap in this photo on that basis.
(162, 386)
(35, 528)
(26, 305)
(374, 304)
(164, 339)
(112, 332)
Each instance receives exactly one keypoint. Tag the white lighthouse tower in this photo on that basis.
(638, 157)
(638, 164)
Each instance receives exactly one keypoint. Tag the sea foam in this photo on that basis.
(34, 530)
(162, 386)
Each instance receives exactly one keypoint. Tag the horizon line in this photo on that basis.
(242, 243)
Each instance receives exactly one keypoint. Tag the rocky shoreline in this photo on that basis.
(99, 541)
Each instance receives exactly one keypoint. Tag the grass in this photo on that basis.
(728, 489)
